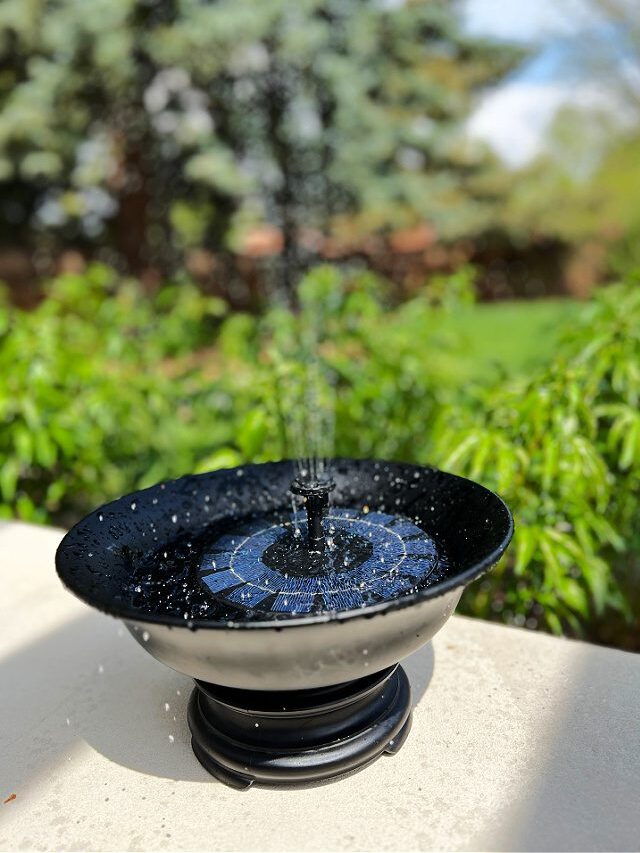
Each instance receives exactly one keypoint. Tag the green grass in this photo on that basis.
(506, 338)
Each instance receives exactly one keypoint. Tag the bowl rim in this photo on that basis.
(438, 589)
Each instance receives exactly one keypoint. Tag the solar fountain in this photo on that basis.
(289, 592)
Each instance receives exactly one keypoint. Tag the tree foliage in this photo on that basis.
(148, 126)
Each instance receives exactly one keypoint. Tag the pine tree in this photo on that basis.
(164, 122)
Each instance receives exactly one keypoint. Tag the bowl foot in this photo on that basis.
(301, 737)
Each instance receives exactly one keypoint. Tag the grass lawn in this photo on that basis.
(506, 337)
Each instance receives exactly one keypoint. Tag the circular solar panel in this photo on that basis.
(369, 557)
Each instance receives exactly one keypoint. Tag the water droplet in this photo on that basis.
(166, 706)
(133, 505)
(101, 517)
(145, 636)
(171, 738)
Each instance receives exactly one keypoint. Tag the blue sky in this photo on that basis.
(514, 118)
(519, 20)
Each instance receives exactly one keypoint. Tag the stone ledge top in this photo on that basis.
(520, 741)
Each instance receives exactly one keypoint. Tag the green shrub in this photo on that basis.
(563, 448)
(104, 389)
(86, 398)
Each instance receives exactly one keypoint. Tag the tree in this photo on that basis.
(170, 122)
(583, 194)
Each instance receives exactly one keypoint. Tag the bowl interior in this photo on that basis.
(99, 555)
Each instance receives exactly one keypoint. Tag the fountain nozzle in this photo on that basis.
(316, 496)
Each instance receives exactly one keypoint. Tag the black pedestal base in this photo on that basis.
(300, 737)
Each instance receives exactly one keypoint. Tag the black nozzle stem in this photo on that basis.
(316, 497)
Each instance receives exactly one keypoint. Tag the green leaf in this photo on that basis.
(226, 457)
(596, 573)
(252, 433)
(9, 472)
(526, 546)
(575, 596)
(23, 445)
(553, 622)
(454, 460)
(630, 446)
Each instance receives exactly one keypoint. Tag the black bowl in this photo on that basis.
(470, 524)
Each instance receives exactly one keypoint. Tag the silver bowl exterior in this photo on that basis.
(285, 657)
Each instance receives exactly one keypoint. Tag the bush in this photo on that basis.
(105, 389)
(563, 449)
(86, 396)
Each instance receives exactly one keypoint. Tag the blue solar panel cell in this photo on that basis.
(384, 556)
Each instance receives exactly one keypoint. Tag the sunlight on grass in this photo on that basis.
(506, 337)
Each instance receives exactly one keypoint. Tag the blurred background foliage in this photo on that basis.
(237, 231)
(147, 129)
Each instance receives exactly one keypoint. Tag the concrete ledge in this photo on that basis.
(520, 742)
